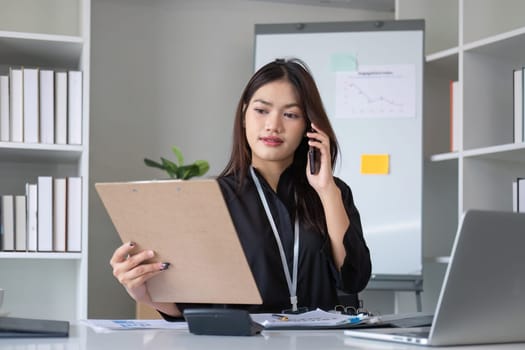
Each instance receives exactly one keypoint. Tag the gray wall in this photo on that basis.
(163, 73)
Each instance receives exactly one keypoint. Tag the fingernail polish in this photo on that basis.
(164, 266)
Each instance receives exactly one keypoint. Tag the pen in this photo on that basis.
(280, 317)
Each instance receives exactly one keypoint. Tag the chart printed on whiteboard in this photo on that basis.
(376, 91)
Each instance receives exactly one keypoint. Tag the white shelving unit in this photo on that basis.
(477, 43)
(53, 34)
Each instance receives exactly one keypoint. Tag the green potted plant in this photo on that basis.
(179, 170)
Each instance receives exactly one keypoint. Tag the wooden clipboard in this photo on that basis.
(187, 224)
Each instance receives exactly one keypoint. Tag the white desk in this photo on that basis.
(84, 338)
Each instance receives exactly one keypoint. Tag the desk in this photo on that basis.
(84, 338)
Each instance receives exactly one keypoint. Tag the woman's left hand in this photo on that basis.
(337, 220)
(324, 179)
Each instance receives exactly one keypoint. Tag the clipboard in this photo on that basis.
(186, 223)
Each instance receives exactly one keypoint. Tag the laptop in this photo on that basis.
(482, 299)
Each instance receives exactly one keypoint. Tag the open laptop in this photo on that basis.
(482, 299)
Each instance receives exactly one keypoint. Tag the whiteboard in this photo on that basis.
(370, 77)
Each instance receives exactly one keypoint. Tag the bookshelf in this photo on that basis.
(477, 43)
(55, 35)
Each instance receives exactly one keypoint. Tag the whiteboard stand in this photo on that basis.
(398, 283)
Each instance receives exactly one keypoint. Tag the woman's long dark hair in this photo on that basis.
(309, 207)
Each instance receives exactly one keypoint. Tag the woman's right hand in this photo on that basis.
(132, 271)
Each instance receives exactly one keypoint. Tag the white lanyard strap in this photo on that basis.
(291, 282)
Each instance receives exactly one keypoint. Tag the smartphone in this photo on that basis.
(315, 162)
(313, 157)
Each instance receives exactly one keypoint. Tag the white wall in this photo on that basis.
(49, 16)
(168, 72)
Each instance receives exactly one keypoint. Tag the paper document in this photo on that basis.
(316, 318)
(104, 326)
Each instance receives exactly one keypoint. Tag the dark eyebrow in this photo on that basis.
(263, 102)
(293, 104)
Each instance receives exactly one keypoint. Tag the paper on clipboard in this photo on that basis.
(188, 225)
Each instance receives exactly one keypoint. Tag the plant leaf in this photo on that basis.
(171, 174)
(188, 171)
(170, 167)
(203, 167)
(178, 154)
(179, 170)
(153, 164)
(195, 171)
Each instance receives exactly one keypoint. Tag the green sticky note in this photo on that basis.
(344, 62)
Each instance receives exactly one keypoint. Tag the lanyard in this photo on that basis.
(291, 282)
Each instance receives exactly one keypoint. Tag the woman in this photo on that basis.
(299, 228)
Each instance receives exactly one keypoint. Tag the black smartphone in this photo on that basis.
(315, 162)
(313, 158)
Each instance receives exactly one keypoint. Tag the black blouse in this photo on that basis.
(318, 278)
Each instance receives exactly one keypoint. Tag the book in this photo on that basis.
(514, 196)
(8, 224)
(74, 112)
(518, 105)
(74, 214)
(32, 204)
(61, 108)
(451, 114)
(520, 192)
(16, 104)
(4, 109)
(59, 214)
(31, 108)
(20, 223)
(47, 106)
(522, 102)
(455, 116)
(45, 213)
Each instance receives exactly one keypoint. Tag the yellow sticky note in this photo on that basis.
(375, 164)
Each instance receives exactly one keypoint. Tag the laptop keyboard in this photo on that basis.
(408, 320)
(420, 334)
(416, 321)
